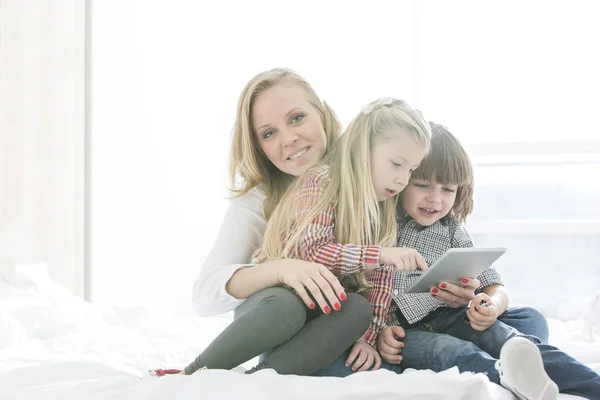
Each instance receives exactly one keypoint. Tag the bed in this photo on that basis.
(54, 345)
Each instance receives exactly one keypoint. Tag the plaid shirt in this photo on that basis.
(317, 244)
(431, 242)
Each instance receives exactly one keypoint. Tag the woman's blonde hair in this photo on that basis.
(448, 163)
(249, 166)
(359, 217)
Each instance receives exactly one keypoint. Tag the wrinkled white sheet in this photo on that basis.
(56, 346)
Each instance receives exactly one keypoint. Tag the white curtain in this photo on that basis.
(42, 126)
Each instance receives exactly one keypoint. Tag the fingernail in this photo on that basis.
(327, 310)
(433, 295)
(343, 296)
(312, 306)
(443, 285)
(464, 280)
(337, 306)
(434, 290)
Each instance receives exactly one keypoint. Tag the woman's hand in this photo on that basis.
(307, 277)
(456, 296)
(403, 259)
(363, 356)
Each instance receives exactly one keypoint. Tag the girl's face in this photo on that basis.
(428, 201)
(393, 159)
(288, 128)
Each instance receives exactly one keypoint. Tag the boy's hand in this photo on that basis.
(480, 316)
(390, 344)
(363, 356)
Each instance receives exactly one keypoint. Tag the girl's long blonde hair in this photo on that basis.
(359, 217)
(249, 166)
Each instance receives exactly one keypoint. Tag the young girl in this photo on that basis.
(431, 211)
(342, 213)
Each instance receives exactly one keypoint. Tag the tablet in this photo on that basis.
(454, 265)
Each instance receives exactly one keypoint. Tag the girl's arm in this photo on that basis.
(317, 242)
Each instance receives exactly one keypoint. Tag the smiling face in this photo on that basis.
(393, 159)
(428, 201)
(288, 128)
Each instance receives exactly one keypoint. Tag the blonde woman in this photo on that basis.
(342, 213)
(282, 129)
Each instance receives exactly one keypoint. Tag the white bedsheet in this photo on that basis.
(56, 346)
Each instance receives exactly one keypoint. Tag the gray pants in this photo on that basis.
(298, 340)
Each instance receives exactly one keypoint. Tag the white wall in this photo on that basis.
(42, 125)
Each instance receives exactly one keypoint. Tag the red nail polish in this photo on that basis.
(433, 295)
(443, 285)
(343, 296)
(434, 290)
(312, 306)
(464, 280)
(337, 306)
(327, 310)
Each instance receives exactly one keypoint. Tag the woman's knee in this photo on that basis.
(285, 305)
(359, 309)
(279, 301)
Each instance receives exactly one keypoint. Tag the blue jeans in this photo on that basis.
(526, 320)
(448, 341)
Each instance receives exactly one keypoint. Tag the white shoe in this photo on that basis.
(522, 371)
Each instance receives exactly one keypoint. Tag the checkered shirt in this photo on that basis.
(318, 244)
(431, 242)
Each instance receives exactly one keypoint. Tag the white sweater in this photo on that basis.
(241, 234)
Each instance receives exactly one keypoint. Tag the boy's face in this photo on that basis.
(428, 201)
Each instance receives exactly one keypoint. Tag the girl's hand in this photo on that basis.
(456, 296)
(403, 259)
(482, 317)
(305, 277)
(363, 356)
